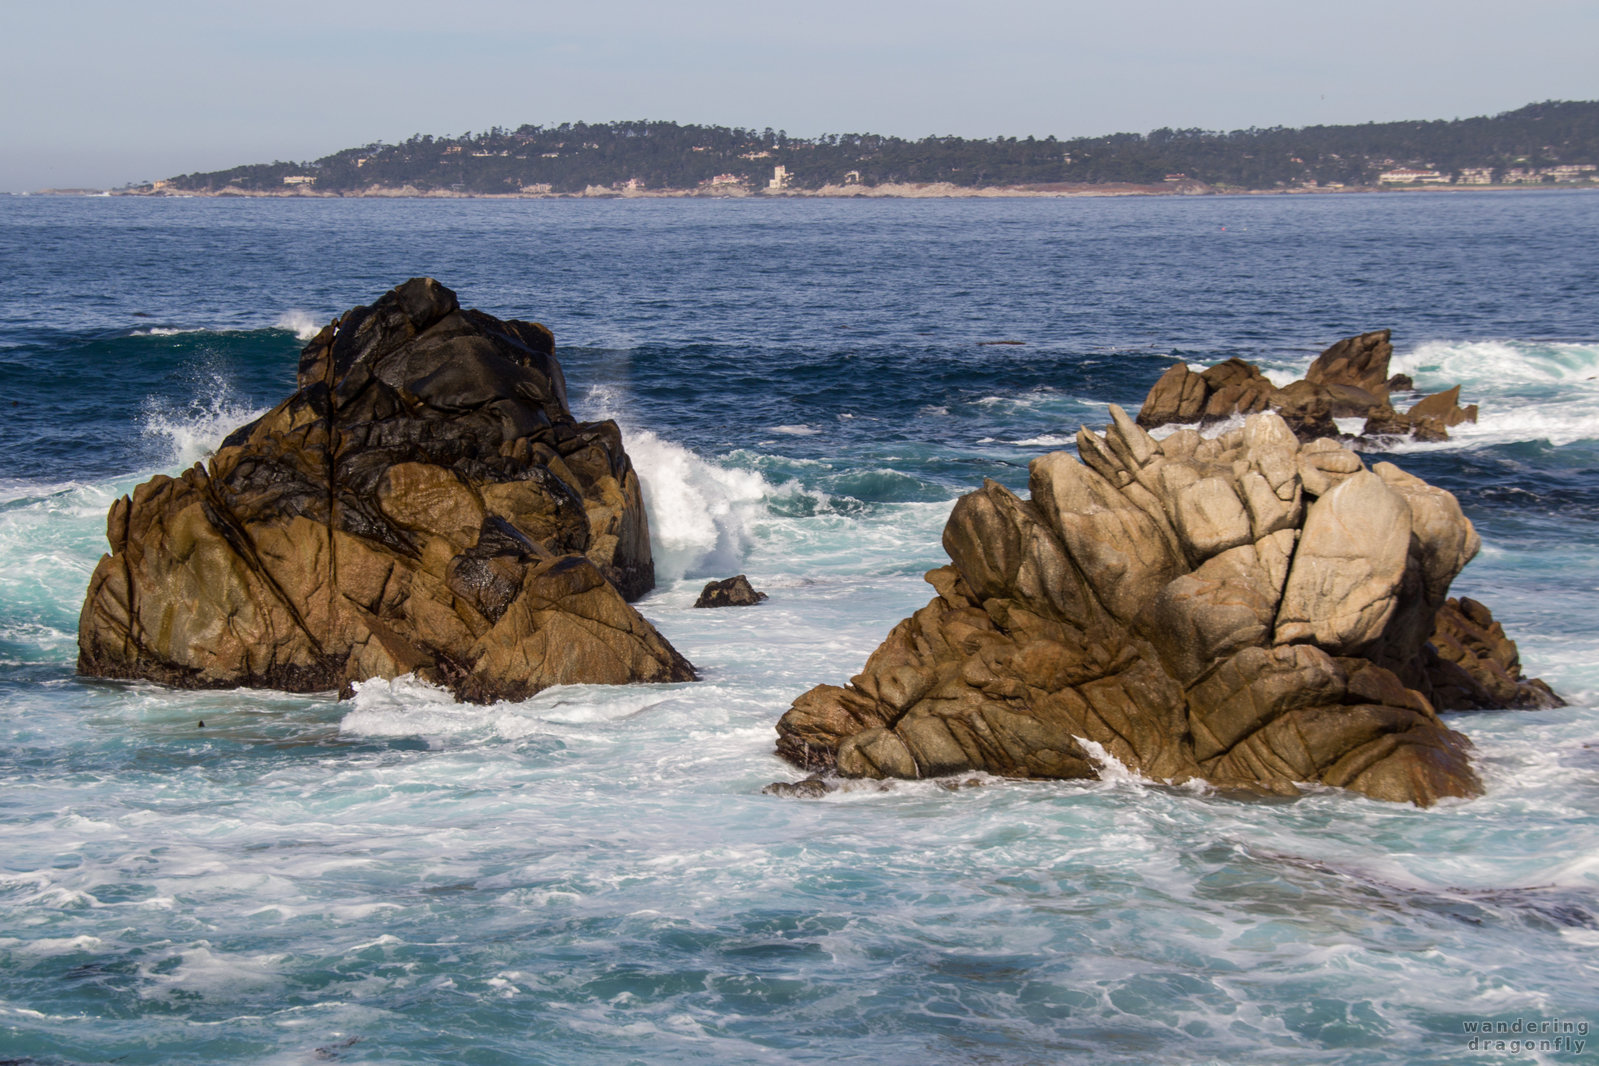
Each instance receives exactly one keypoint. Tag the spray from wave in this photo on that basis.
(1526, 390)
(195, 430)
(303, 324)
(700, 513)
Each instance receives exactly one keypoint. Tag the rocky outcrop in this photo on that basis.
(1477, 666)
(1348, 380)
(1247, 610)
(729, 592)
(424, 502)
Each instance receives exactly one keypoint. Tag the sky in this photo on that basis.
(100, 94)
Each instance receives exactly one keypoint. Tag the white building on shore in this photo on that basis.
(1411, 176)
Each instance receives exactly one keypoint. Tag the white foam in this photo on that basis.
(796, 431)
(202, 969)
(407, 707)
(302, 324)
(1111, 769)
(47, 947)
(164, 331)
(1207, 430)
(195, 431)
(700, 512)
(50, 539)
(1278, 374)
(1494, 365)
(1505, 422)
(1281, 376)
(1021, 401)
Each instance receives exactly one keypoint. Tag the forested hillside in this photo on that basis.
(1520, 145)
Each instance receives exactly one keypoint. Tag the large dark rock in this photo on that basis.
(1348, 380)
(1245, 610)
(423, 502)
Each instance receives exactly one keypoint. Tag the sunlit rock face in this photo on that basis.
(424, 502)
(1348, 380)
(1246, 610)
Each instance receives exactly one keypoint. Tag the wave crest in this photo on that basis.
(303, 324)
(1493, 365)
(700, 512)
(198, 428)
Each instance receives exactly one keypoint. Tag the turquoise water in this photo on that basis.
(593, 875)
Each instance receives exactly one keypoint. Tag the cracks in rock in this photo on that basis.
(232, 531)
(331, 452)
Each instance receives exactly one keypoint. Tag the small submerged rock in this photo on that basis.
(730, 592)
(1246, 610)
(812, 787)
(425, 502)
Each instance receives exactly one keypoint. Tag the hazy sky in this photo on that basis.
(100, 93)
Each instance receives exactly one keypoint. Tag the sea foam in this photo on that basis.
(1493, 365)
(192, 432)
(700, 512)
(303, 324)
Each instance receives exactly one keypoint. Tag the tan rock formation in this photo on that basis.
(1430, 418)
(424, 502)
(1245, 610)
(1348, 380)
(1359, 362)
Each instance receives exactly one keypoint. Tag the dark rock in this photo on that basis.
(1477, 667)
(1228, 388)
(729, 592)
(423, 502)
(1248, 610)
(812, 787)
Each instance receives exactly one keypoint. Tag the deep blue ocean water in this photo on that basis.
(593, 876)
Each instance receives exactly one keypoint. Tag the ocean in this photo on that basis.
(594, 875)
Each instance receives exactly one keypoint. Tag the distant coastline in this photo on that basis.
(889, 191)
(1553, 144)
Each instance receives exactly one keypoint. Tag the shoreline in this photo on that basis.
(892, 191)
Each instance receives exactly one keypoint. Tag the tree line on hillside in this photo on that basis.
(573, 157)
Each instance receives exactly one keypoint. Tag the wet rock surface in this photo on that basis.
(1248, 610)
(729, 592)
(424, 502)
